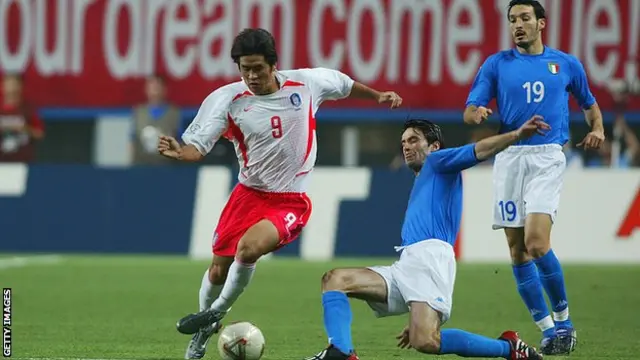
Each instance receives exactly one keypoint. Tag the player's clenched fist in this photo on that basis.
(533, 126)
(390, 97)
(168, 146)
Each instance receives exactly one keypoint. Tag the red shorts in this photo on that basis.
(289, 212)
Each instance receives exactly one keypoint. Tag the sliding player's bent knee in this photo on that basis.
(339, 280)
(427, 343)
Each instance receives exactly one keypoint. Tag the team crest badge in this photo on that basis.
(296, 100)
(554, 68)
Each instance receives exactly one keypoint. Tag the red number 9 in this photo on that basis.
(276, 126)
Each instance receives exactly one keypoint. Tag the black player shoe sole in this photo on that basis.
(192, 323)
(332, 353)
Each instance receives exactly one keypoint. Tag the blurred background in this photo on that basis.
(104, 242)
(87, 85)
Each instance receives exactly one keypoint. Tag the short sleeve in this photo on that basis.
(453, 159)
(483, 89)
(327, 84)
(210, 121)
(579, 86)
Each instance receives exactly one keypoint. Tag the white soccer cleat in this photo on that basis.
(198, 344)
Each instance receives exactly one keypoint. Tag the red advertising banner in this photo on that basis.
(97, 52)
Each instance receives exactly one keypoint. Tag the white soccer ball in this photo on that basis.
(241, 341)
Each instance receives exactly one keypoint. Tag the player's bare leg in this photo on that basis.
(538, 244)
(425, 335)
(530, 288)
(210, 288)
(337, 286)
(423, 332)
(262, 238)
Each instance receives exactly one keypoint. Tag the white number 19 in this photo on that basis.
(538, 91)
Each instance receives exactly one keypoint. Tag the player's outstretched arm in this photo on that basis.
(170, 147)
(490, 146)
(362, 91)
(203, 132)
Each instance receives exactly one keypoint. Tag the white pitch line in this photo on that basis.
(22, 261)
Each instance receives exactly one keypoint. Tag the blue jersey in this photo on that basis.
(527, 85)
(435, 203)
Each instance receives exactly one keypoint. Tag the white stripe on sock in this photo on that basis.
(562, 315)
(546, 323)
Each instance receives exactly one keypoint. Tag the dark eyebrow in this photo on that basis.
(525, 12)
(410, 138)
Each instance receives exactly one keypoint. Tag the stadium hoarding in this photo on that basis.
(96, 53)
(358, 212)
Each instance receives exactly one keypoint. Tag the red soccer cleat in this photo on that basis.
(519, 349)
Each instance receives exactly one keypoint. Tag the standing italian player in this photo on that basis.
(534, 80)
(270, 118)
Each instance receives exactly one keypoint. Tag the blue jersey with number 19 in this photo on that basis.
(435, 203)
(527, 85)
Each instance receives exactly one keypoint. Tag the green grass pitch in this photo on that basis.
(126, 307)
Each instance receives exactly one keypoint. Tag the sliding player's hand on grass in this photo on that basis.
(404, 339)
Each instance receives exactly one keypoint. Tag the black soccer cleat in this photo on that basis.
(192, 323)
(332, 353)
(519, 349)
(549, 346)
(567, 340)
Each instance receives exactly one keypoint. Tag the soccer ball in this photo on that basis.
(241, 341)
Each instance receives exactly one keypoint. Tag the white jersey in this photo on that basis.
(274, 135)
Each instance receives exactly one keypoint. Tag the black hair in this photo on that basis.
(538, 10)
(254, 42)
(431, 131)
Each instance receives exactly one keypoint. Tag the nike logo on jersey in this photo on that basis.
(247, 109)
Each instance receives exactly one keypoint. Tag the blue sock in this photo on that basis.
(530, 289)
(462, 343)
(553, 281)
(337, 320)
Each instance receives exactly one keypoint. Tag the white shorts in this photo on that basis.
(425, 272)
(526, 180)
